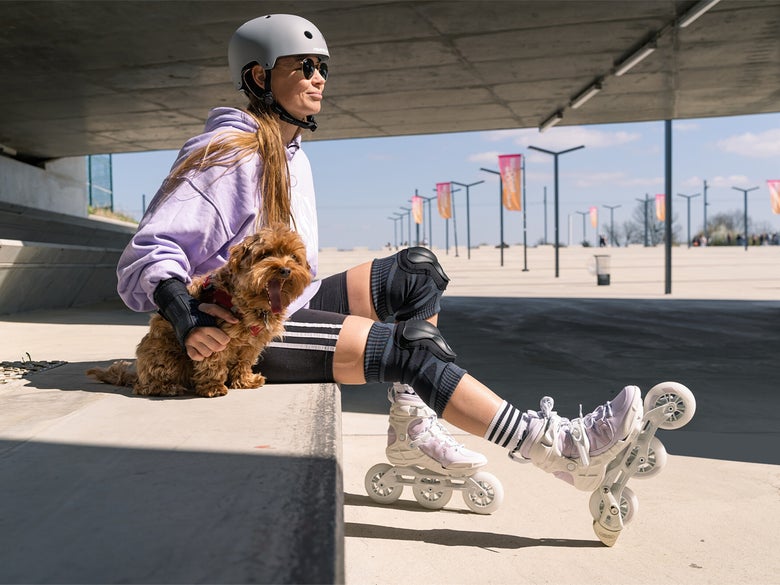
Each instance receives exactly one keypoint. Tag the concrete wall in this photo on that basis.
(60, 187)
(51, 254)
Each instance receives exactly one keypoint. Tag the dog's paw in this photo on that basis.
(212, 390)
(248, 381)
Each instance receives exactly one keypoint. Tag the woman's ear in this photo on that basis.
(258, 75)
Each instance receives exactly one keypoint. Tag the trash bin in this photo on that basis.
(602, 269)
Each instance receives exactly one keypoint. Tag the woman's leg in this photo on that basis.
(408, 285)
(471, 407)
(577, 451)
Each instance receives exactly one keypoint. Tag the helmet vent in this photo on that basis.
(308, 35)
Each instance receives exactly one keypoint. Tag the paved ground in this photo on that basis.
(710, 517)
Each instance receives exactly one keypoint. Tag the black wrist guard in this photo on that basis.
(180, 308)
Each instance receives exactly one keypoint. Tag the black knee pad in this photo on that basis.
(415, 353)
(408, 285)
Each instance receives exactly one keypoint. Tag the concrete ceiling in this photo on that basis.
(95, 77)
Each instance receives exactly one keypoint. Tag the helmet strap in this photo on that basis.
(266, 96)
(284, 116)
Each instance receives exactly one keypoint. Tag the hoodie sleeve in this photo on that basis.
(184, 233)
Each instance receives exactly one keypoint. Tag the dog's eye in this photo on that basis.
(294, 257)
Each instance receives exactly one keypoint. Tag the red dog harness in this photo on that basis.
(218, 296)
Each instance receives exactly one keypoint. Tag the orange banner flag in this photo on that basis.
(774, 195)
(660, 207)
(594, 216)
(444, 200)
(417, 208)
(509, 165)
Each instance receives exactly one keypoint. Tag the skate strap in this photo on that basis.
(577, 431)
(575, 428)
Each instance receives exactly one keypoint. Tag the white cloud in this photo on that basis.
(685, 126)
(484, 157)
(613, 179)
(729, 182)
(762, 145)
(564, 137)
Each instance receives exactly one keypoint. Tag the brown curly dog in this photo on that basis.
(263, 274)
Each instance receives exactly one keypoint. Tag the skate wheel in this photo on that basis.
(677, 394)
(380, 489)
(484, 493)
(432, 495)
(656, 459)
(629, 505)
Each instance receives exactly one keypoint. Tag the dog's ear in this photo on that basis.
(240, 252)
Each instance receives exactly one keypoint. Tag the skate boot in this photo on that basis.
(427, 457)
(578, 451)
(416, 437)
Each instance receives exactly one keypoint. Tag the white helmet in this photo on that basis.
(263, 40)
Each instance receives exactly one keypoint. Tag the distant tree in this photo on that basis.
(725, 227)
(634, 229)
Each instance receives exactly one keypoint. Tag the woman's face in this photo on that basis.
(301, 97)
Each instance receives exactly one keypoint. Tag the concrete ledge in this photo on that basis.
(36, 275)
(37, 225)
(100, 486)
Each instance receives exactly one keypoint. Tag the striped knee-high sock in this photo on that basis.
(508, 426)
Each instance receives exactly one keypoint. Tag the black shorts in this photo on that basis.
(305, 352)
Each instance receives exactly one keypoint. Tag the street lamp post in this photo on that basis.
(417, 225)
(447, 223)
(468, 214)
(583, 214)
(454, 221)
(745, 192)
(688, 198)
(500, 210)
(704, 229)
(400, 216)
(612, 209)
(556, 155)
(430, 222)
(395, 231)
(408, 214)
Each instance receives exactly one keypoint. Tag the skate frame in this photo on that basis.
(623, 468)
(431, 481)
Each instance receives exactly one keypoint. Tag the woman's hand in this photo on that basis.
(204, 341)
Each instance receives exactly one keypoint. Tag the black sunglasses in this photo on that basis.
(308, 67)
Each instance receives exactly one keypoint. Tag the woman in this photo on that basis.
(247, 169)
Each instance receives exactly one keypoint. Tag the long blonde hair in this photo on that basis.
(229, 147)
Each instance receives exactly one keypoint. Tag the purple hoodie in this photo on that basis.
(191, 231)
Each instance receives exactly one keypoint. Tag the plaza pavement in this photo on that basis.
(711, 516)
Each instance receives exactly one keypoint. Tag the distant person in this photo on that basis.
(373, 323)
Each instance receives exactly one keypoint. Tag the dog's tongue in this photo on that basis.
(275, 295)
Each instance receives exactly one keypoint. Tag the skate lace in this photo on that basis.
(577, 427)
(435, 431)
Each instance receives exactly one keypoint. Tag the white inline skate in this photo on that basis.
(601, 451)
(427, 458)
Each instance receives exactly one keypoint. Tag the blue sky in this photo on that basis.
(361, 182)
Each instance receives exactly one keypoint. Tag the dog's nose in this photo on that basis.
(284, 272)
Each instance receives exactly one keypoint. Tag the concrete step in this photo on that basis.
(98, 485)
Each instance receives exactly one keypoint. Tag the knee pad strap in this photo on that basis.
(408, 285)
(415, 353)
